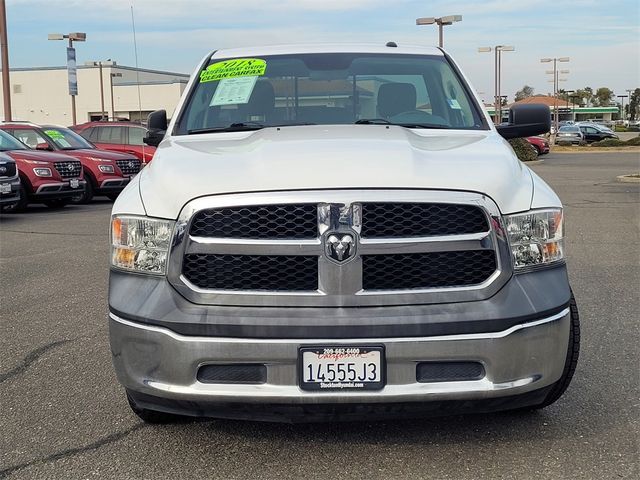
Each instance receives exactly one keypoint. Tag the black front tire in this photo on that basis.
(112, 196)
(20, 205)
(571, 362)
(86, 196)
(152, 416)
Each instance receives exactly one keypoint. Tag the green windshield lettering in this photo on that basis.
(241, 67)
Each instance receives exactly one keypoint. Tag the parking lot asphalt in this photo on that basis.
(63, 414)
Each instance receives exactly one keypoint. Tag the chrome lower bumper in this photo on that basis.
(159, 362)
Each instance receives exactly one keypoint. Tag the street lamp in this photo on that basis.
(100, 64)
(71, 64)
(622, 97)
(497, 67)
(441, 22)
(555, 81)
(111, 77)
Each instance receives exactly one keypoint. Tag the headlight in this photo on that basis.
(42, 172)
(105, 168)
(140, 244)
(536, 237)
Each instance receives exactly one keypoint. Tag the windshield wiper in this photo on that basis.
(244, 126)
(234, 127)
(383, 121)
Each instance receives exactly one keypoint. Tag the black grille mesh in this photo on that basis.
(427, 372)
(68, 169)
(232, 374)
(252, 272)
(427, 270)
(258, 222)
(421, 219)
(129, 167)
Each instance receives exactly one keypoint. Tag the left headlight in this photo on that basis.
(140, 244)
(536, 237)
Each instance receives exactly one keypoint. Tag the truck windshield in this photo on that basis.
(415, 91)
(7, 142)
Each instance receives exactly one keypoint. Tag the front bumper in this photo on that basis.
(113, 185)
(12, 196)
(158, 367)
(57, 190)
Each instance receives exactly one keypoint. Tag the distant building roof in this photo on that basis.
(547, 100)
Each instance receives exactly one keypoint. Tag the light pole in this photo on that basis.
(100, 64)
(555, 81)
(497, 68)
(111, 77)
(441, 22)
(622, 97)
(4, 47)
(573, 107)
(71, 65)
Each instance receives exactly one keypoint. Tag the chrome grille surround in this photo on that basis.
(339, 284)
(68, 168)
(130, 166)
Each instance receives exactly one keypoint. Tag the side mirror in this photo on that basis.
(157, 127)
(43, 146)
(526, 120)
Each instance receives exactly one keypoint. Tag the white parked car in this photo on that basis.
(338, 232)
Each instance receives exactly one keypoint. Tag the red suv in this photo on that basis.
(118, 136)
(45, 177)
(107, 173)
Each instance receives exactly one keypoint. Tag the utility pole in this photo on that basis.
(556, 80)
(497, 70)
(622, 97)
(4, 46)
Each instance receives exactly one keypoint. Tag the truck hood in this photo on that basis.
(333, 157)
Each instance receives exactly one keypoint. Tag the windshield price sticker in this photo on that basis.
(54, 134)
(233, 91)
(352, 368)
(241, 67)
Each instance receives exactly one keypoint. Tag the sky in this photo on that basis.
(602, 38)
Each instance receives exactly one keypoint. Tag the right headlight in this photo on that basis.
(536, 237)
(140, 244)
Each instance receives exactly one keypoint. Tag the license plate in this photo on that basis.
(5, 188)
(341, 368)
(74, 183)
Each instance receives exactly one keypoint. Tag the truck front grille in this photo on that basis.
(409, 247)
(427, 270)
(252, 272)
(129, 166)
(380, 220)
(69, 168)
(257, 221)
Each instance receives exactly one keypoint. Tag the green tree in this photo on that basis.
(524, 92)
(634, 105)
(603, 97)
(584, 96)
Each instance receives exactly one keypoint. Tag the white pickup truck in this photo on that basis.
(337, 232)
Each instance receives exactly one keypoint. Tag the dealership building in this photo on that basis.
(41, 94)
(566, 109)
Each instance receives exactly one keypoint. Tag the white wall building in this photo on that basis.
(41, 95)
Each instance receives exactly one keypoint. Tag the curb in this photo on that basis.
(627, 179)
(534, 162)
